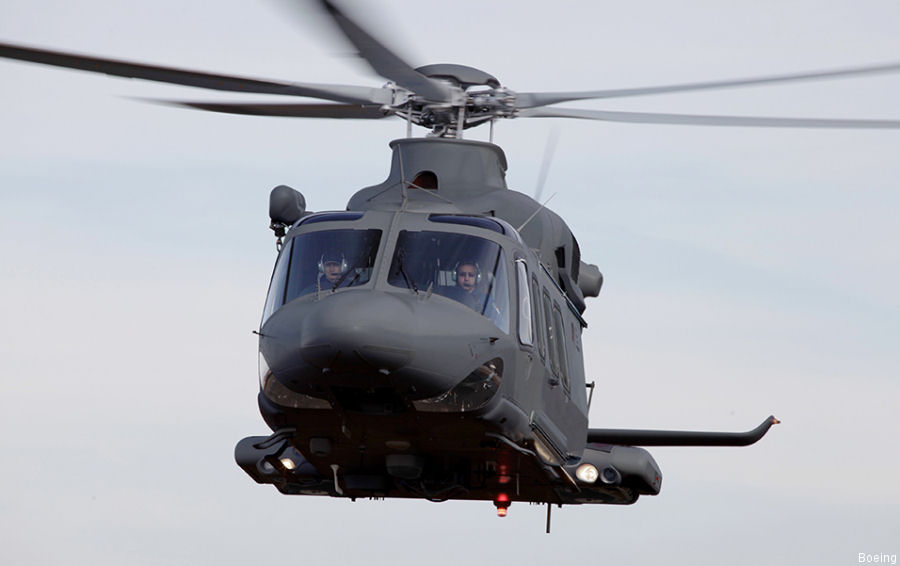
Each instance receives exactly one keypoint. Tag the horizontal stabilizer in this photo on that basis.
(631, 437)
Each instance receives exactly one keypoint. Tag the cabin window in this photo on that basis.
(467, 269)
(538, 321)
(525, 326)
(561, 346)
(552, 337)
(323, 261)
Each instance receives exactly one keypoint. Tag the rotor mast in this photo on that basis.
(467, 105)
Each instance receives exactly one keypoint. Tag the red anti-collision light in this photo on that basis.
(502, 504)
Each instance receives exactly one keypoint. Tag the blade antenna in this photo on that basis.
(533, 214)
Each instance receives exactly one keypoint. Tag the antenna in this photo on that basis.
(533, 214)
(402, 179)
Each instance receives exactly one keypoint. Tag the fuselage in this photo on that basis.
(396, 358)
(426, 343)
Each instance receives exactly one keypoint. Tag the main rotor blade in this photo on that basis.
(533, 99)
(339, 93)
(700, 120)
(385, 62)
(357, 111)
(549, 149)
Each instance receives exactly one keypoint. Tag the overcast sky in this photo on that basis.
(748, 272)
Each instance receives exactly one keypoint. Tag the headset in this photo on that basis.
(323, 261)
(467, 262)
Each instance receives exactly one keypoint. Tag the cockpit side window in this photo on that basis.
(467, 269)
(526, 336)
(275, 297)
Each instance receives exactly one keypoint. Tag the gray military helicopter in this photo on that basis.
(426, 341)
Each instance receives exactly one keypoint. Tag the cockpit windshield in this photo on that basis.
(323, 261)
(467, 269)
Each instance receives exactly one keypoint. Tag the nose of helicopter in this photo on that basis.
(364, 339)
(357, 331)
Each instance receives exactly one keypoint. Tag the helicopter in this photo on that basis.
(383, 397)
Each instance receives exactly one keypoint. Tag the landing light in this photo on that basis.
(287, 463)
(474, 392)
(587, 473)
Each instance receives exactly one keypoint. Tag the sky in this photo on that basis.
(747, 272)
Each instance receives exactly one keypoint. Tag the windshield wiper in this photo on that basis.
(357, 267)
(410, 284)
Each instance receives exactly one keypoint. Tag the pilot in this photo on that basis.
(331, 268)
(467, 275)
(468, 279)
